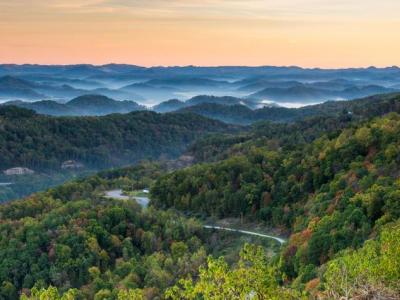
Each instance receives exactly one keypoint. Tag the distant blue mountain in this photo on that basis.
(158, 84)
(11, 87)
(87, 105)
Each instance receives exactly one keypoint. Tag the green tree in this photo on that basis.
(50, 293)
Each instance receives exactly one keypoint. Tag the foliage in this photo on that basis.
(238, 113)
(72, 237)
(330, 194)
(336, 193)
(372, 270)
(293, 128)
(251, 278)
(24, 185)
(43, 142)
(51, 293)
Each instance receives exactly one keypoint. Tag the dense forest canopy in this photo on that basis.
(94, 244)
(328, 118)
(44, 142)
(329, 183)
(332, 197)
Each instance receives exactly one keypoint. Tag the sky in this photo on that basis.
(308, 33)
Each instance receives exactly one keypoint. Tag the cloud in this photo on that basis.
(282, 13)
(201, 31)
(241, 9)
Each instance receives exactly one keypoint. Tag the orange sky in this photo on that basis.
(324, 33)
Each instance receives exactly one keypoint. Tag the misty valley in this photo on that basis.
(125, 182)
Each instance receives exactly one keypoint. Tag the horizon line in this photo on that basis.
(202, 66)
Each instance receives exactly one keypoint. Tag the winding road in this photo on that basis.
(278, 239)
(118, 194)
(144, 202)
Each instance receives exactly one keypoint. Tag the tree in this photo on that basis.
(374, 269)
(253, 278)
(135, 294)
(51, 293)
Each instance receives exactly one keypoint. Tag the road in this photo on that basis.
(144, 202)
(278, 239)
(118, 194)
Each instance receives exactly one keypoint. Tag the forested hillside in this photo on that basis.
(91, 247)
(85, 105)
(329, 195)
(328, 118)
(243, 113)
(43, 142)
(72, 237)
(330, 184)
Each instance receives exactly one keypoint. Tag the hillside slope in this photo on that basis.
(17, 88)
(337, 199)
(72, 237)
(329, 195)
(44, 142)
(86, 105)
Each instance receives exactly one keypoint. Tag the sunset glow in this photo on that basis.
(201, 32)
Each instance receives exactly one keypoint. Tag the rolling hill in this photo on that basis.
(44, 142)
(328, 184)
(157, 84)
(175, 104)
(86, 105)
(241, 114)
(101, 105)
(11, 87)
(169, 106)
(336, 197)
(310, 94)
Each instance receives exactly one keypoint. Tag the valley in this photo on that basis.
(199, 150)
(144, 202)
(212, 195)
(151, 86)
(44, 143)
